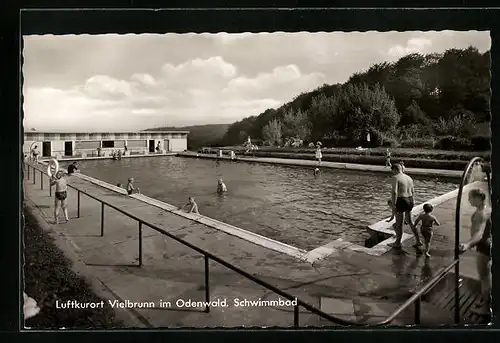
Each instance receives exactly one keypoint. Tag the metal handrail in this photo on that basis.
(208, 256)
(415, 298)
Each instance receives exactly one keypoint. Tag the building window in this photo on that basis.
(108, 144)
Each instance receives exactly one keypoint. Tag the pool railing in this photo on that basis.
(415, 299)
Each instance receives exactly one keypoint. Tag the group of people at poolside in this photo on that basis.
(402, 203)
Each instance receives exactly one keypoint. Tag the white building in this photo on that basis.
(76, 144)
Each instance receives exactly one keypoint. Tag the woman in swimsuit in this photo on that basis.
(481, 239)
(60, 195)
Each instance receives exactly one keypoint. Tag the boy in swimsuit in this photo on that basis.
(130, 187)
(35, 153)
(60, 195)
(388, 158)
(221, 187)
(192, 203)
(481, 239)
(428, 220)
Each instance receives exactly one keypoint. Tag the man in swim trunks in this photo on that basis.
(60, 196)
(402, 198)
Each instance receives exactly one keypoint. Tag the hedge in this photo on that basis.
(372, 160)
(396, 153)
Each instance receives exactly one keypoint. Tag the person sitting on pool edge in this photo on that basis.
(130, 187)
(221, 186)
(72, 168)
(193, 204)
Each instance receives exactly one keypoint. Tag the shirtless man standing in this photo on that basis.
(60, 196)
(402, 198)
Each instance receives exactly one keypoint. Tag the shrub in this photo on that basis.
(418, 143)
(384, 140)
(481, 143)
(452, 143)
(372, 160)
(456, 126)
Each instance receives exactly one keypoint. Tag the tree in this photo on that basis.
(296, 124)
(322, 114)
(272, 132)
(362, 109)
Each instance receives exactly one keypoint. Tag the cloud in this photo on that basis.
(114, 82)
(145, 79)
(282, 81)
(196, 91)
(414, 45)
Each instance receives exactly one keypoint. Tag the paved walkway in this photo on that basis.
(348, 284)
(455, 174)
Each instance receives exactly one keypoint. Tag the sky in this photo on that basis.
(133, 82)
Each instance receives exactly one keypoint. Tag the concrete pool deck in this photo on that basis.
(347, 283)
(453, 174)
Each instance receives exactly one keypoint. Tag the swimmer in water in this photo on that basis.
(130, 187)
(221, 186)
(192, 203)
(60, 196)
(316, 172)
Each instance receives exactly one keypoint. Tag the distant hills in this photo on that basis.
(200, 135)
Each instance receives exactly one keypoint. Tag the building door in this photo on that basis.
(151, 145)
(166, 145)
(46, 149)
(68, 148)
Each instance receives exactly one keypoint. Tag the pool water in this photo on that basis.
(284, 203)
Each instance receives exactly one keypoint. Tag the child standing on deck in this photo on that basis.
(428, 220)
(388, 158)
(319, 155)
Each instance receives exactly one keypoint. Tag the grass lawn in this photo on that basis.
(48, 277)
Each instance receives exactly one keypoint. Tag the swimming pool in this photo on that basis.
(285, 203)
